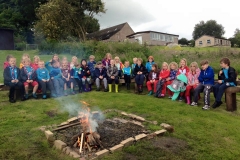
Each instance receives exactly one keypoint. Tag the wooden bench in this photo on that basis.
(230, 98)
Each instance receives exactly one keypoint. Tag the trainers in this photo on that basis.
(44, 96)
(72, 92)
(162, 95)
(53, 95)
(169, 97)
(23, 98)
(216, 104)
(206, 107)
(193, 104)
(180, 99)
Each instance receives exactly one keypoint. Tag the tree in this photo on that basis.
(183, 41)
(20, 16)
(235, 40)
(211, 28)
(59, 19)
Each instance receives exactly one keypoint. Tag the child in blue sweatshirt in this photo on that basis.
(127, 71)
(44, 80)
(77, 75)
(28, 77)
(56, 77)
(148, 65)
(206, 81)
(12, 79)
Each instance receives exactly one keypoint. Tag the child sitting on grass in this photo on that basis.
(173, 74)
(6, 63)
(44, 80)
(112, 73)
(101, 75)
(193, 81)
(153, 77)
(206, 81)
(11, 77)
(56, 77)
(34, 65)
(66, 77)
(91, 65)
(162, 83)
(76, 75)
(127, 71)
(28, 77)
(25, 55)
(226, 78)
(140, 71)
(86, 80)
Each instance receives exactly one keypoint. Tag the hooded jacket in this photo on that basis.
(231, 76)
(206, 77)
(141, 68)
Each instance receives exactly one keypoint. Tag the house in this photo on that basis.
(153, 38)
(209, 41)
(116, 33)
(6, 39)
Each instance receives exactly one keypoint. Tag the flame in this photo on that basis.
(84, 116)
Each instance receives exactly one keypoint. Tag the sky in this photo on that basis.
(171, 16)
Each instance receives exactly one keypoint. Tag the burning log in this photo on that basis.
(81, 143)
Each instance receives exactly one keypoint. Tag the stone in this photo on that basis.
(160, 132)
(49, 135)
(124, 114)
(74, 154)
(72, 119)
(116, 148)
(68, 150)
(133, 116)
(168, 127)
(140, 136)
(102, 153)
(127, 142)
(64, 123)
(120, 120)
(137, 123)
(42, 128)
(59, 144)
(140, 118)
(151, 136)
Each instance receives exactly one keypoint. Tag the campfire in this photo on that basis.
(88, 140)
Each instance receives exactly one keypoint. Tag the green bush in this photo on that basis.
(21, 46)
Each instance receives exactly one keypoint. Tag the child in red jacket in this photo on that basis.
(162, 85)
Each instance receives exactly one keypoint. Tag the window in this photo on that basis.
(200, 42)
(208, 41)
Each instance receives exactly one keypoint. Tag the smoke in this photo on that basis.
(75, 108)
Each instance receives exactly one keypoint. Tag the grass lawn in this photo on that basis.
(212, 134)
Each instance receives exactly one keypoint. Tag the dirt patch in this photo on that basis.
(51, 113)
(170, 144)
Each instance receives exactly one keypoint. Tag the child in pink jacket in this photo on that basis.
(193, 82)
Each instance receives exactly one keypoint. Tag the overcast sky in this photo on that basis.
(171, 16)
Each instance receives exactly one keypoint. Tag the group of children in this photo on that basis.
(59, 75)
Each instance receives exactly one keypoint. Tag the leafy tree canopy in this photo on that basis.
(211, 28)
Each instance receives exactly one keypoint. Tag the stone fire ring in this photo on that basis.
(60, 145)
